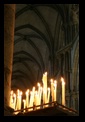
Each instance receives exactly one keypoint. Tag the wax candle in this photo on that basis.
(33, 94)
(55, 90)
(35, 98)
(48, 95)
(38, 88)
(20, 99)
(14, 101)
(52, 90)
(40, 96)
(38, 100)
(45, 75)
(24, 104)
(43, 96)
(63, 91)
(27, 98)
(31, 101)
(18, 102)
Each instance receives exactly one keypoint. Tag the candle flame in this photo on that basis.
(33, 87)
(45, 73)
(21, 93)
(62, 79)
(17, 90)
(38, 84)
(23, 100)
(14, 95)
(11, 92)
(51, 80)
(48, 89)
(27, 91)
(55, 81)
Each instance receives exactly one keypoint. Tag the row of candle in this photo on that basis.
(36, 97)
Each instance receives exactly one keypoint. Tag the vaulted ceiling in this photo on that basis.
(39, 34)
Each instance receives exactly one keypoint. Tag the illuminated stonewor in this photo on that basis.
(37, 96)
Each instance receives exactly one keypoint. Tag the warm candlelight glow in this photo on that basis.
(24, 104)
(42, 95)
(55, 90)
(18, 100)
(27, 98)
(31, 100)
(35, 98)
(52, 89)
(63, 91)
(14, 101)
(48, 95)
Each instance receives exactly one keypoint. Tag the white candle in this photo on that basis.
(43, 79)
(63, 91)
(38, 100)
(31, 100)
(18, 102)
(48, 95)
(24, 104)
(55, 90)
(45, 75)
(27, 98)
(35, 98)
(43, 96)
(33, 93)
(40, 95)
(15, 101)
(38, 88)
(45, 87)
(52, 90)
(20, 99)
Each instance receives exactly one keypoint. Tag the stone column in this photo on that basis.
(9, 24)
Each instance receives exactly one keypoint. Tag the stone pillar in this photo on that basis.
(9, 24)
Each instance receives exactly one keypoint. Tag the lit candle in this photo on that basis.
(27, 98)
(43, 96)
(45, 86)
(52, 89)
(55, 90)
(38, 100)
(31, 100)
(33, 93)
(48, 95)
(20, 99)
(15, 101)
(24, 104)
(35, 98)
(38, 88)
(45, 75)
(40, 95)
(63, 91)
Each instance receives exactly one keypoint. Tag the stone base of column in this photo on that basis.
(8, 111)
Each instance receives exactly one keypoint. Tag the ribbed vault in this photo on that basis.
(39, 34)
